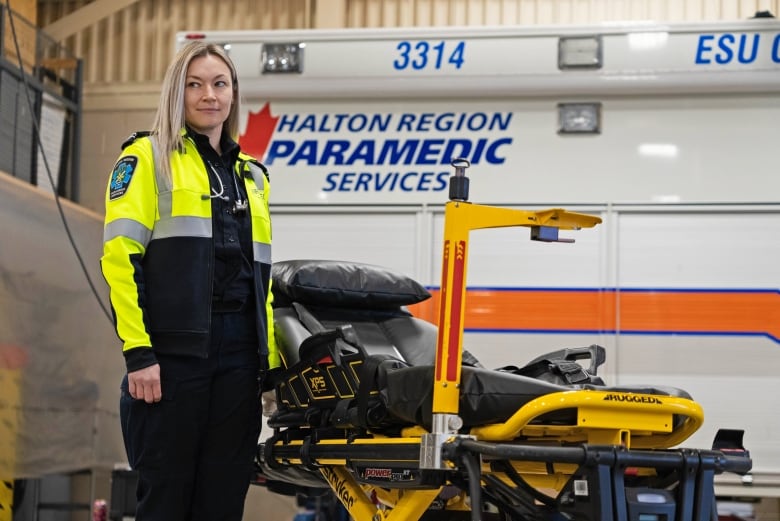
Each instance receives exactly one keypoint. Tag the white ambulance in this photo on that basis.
(670, 132)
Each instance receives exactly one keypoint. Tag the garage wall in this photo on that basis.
(388, 13)
(134, 44)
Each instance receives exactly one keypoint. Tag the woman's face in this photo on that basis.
(208, 95)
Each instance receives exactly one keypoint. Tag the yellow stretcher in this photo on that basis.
(388, 413)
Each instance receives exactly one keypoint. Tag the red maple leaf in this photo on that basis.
(259, 129)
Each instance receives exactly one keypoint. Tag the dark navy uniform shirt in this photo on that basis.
(232, 232)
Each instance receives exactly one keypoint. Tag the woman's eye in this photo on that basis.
(193, 84)
(221, 83)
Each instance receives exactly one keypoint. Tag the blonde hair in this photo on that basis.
(169, 120)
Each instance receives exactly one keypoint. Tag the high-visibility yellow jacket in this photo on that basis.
(158, 252)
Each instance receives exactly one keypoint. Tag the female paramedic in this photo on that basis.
(187, 257)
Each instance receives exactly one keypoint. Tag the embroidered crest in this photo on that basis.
(121, 177)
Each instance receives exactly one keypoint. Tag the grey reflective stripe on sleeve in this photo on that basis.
(182, 227)
(262, 252)
(127, 228)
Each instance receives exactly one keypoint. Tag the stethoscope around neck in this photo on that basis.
(239, 206)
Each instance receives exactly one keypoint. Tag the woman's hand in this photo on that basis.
(144, 384)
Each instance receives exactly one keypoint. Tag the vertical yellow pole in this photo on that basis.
(452, 309)
(12, 360)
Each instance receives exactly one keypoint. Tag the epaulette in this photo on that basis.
(135, 135)
(255, 162)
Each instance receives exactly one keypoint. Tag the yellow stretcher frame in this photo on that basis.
(604, 418)
(599, 422)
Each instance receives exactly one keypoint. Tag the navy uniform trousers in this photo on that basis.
(194, 449)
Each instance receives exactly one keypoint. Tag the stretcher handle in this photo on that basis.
(595, 353)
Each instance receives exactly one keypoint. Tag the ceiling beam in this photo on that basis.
(83, 17)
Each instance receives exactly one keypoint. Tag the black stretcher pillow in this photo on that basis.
(343, 284)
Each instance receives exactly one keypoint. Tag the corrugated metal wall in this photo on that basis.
(135, 43)
(383, 13)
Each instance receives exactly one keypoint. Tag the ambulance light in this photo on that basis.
(579, 52)
(282, 57)
(579, 118)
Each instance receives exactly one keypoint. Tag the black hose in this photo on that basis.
(471, 462)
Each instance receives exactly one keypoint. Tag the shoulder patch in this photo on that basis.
(121, 177)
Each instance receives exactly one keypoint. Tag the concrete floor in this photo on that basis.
(261, 505)
(76, 489)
